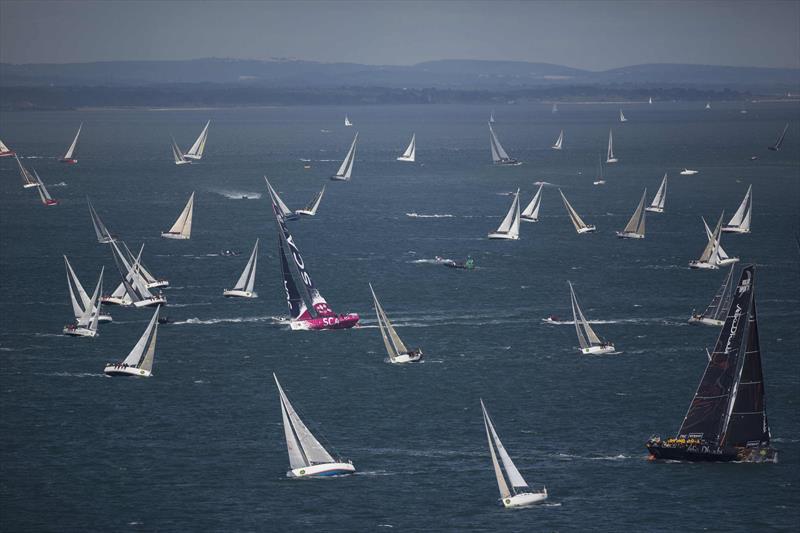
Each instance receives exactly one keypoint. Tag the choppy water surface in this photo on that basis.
(200, 446)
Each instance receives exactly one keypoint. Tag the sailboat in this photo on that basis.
(139, 362)
(709, 258)
(708, 105)
(244, 286)
(688, 172)
(531, 212)
(590, 343)
(411, 151)
(307, 309)
(559, 144)
(151, 281)
(135, 285)
(622, 117)
(715, 313)
(80, 299)
(657, 205)
(307, 456)
(779, 142)
(519, 494)
(509, 228)
(87, 313)
(347, 121)
(69, 157)
(601, 177)
(44, 195)
(182, 228)
(283, 209)
(650, 100)
(195, 153)
(311, 209)
(5, 151)
(723, 259)
(727, 418)
(491, 117)
(499, 155)
(555, 108)
(740, 222)
(610, 153)
(395, 348)
(635, 227)
(577, 221)
(28, 179)
(100, 229)
(178, 155)
(346, 168)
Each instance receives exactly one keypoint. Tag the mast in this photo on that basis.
(501, 481)
(297, 306)
(711, 251)
(514, 476)
(719, 304)
(779, 142)
(559, 142)
(411, 150)
(311, 208)
(510, 224)
(498, 153)
(394, 345)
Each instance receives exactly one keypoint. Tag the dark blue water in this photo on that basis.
(200, 446)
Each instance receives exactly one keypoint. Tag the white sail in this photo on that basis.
(394, 345)
(247, 280)
(514, 476)
(347, 121)
(309, 450)
(708, 105)
(141, 356)
(661, 196)
(721, 254)
(411, 151)
(711, 251)
(284, 209)
(622, 117)
(636, 224)
(650, 100)
(498, 153)
(196, 151)
(71, 150)
(4, 149)
(346, 168)
(149, 279)
(559, 144)
(28, 180)
(183, 226)
(83, 307)
(92, 313)
(100, 229)
(610, 153)
(491, 117)
(135, 285)
(577, 221)
(510, 224)
(177, 155)
(741, 218)
(311, 208)
(586, 335)
(531, 212)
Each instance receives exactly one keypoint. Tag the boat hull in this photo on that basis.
(612, 160)
(505, 236)
(126, 371)
(339, 178)
(158, 284)
(183, 162)
(508, 163)
(235, 293)
(192, 157)
(528, 219)
(599, 182)
(149, 302)
(411, 357)
(111, 300)
(69, 161)
(524, 499)
(629, 235)
(654, 209)
(105, 319)
(734, 229)
(714, 454)
(322, 470)
(176, 236)
(728, 261)
(79, 332)
(304, 212)
(29, 185)
(325, 322)
(10, 153)
(406, 159)
(587, 229)
(703, 265)
(50, 202)
(598, 350)
(695, 319)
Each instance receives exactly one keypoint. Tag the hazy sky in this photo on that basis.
(594, 35)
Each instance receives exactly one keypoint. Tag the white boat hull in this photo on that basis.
(304, 212)
(528, 219)
(29, 185)
(504, 236)
(339, 178)
(323, 470)
(158, 284)
(235, 293)
(734, 229)
(183, 162)
(587, 229)
(599, 182)
(176, 236)
(407, 358)
(524, 499)
(105, 319)
(613, 160)
(702, 265)
(192, 157)
(126, 371)
(111, 300)
(689, 172)
(155, 300)
(406, 159)
(629, 235)
(510, 163)
(728, 261)
(654, 209)
(706, 321)
(79, 332)
(598, 350)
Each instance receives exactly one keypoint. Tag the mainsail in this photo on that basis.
(247, 280)
(660, 198)
(304, 449)
(559, 144)
(411, 151)
(531, 212)
(740, 222)
(28, 179)
(586, 335)
(182, 227)
(394, 345)
(610, 152)
(499, 155)
(635, 225)
(514, 477)
(622, 117)
(143, 352)
(70, 155)
(196, 151)
(346, 168)
(779, 142)
(577, 221)
(728, 407)
(297, 305)
(100, 229)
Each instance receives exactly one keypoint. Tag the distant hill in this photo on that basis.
(444, 74)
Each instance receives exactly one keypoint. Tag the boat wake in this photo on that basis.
(233, 320)
(233, 194)
(435, 215)
(75, 374)
(592, 457)
(59, 184)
